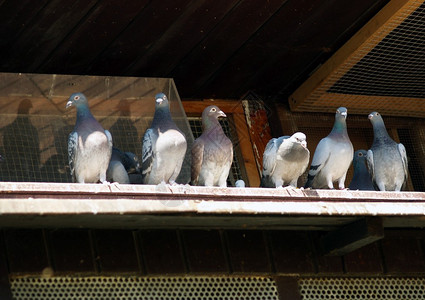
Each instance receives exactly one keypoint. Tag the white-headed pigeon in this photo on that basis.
(285, 159)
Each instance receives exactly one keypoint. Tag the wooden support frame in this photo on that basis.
(313, 94)
(236, 111)
(353, 236)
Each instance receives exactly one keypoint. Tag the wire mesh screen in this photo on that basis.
(34, 125)
(386, 72)
(149, 288)
(235, 171)
(410, 132)
(362, 288)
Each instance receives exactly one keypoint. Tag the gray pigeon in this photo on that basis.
(89, 145)
(361, 177)
(212, 152)
(121, 166)
(386, 159)
(164, 146)
(332, 157)
(285, 159)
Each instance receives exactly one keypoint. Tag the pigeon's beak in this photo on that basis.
(370, 116)
(344, 114)
(159, 100)
(68, 104)
(304, 144)
(222, 114)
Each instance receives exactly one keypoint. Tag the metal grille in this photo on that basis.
(235, 171)
(384, 72)
(362, 288)
(155, 288)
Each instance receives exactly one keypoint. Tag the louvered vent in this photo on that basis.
(381, 68)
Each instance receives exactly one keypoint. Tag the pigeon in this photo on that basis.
(120, 167)
(285, 159)
(361, 177)
(89, 145)
(163, 146)
(212, 152)
(386, 159)
(332, 157)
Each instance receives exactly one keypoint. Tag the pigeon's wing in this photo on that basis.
(403, 154)
(320, 157)
(197, 158)
(109, 136)
(270, 155)
(370, 164)
(148, 152)
(72, 150)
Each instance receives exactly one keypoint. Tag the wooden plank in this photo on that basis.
(366, 38)
(10, 27)
(248, 252)
(71, 251)
(292, 252)
(46, 32)
(366, 260)
(353, 236)
(259, 129)
(287, 287)
(145, 29)
(206, 57)
(403, 255)
(92, 35)
(116, 251)
(204, 251)
(5, 291)
(161, 252)
(195, 22)
(26, 251)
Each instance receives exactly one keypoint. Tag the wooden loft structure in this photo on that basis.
(270, 69)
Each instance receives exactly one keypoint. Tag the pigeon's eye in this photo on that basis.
(213, 109)
(76, 98)
(360, 154)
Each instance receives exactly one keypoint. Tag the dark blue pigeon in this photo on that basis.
(89, 145)
(163, 146)
(386, 159)
(332, 157)
(361, 177)
(122, 166)
(212, 152)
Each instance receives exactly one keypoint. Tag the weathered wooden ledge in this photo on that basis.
(95, 205)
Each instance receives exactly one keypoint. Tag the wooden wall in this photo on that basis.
(180, 252)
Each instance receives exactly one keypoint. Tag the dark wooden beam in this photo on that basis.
(5, 292)
(353, 236)
(287, 288)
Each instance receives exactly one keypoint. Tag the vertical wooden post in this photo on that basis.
(5, 291)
